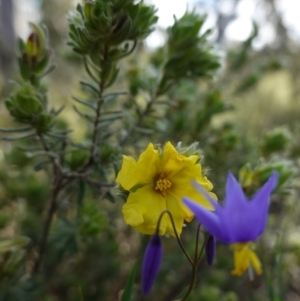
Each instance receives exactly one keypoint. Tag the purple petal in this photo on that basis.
(246, 220)
(207, 196)
(260, 204)
(237, 221)
(210, 220)
(151, 263)
(234, 193)
(237, 214)
(210, 249)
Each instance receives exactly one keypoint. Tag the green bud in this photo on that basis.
(39, 38)
(253, 178)
(276, 140)
(284, 168)
(35, 48)
(32, 45)
(190, 150)
(189, 54)
(143, 18)
(100, 25)
(35, 57)
(25, 105)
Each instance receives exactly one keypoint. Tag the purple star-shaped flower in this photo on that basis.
(239, 220)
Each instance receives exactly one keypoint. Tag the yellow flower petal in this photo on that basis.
(127, 177)
(182, 185)
(179, 214)
(143, 208)
(255, 263)
(171, 161)
(243, 257)
(133, 173)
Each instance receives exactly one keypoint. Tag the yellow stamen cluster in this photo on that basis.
(244, 256)
(162, 184)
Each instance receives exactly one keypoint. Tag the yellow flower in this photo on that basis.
(156, 182)
(243, 257)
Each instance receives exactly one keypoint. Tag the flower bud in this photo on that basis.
(32, 45)
(25, 104)
(151, 263)
(210, 249)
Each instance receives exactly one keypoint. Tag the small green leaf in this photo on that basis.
(110, 119)
(90, 87)
(15, 130)
(90, 73)
(26, 135)
(55, 135)
(129, 285)
(49, 70)
(21, 44)
(39, 166)
(24, 69)
(29, 148)
(42, 153)
(42, 65)
(108, 113)
(56, 112)
(85, 103)
(86, 116)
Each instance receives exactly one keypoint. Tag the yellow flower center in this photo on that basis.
(162, 184)
(243, 257)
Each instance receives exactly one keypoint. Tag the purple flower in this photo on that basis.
(210, 249)
(151, 263)
(239, 220)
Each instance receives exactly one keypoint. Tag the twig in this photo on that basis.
(176, 234)
(85, 177)
(92, 156)
(197, 242)
(43, 242)
(139, 121)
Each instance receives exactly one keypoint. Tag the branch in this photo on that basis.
(43, 243)
(139, 121)
(92, 156)
(85, 177)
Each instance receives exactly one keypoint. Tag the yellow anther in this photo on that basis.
(162, 184)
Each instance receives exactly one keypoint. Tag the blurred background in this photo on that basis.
(231, 21)
(250, 115)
